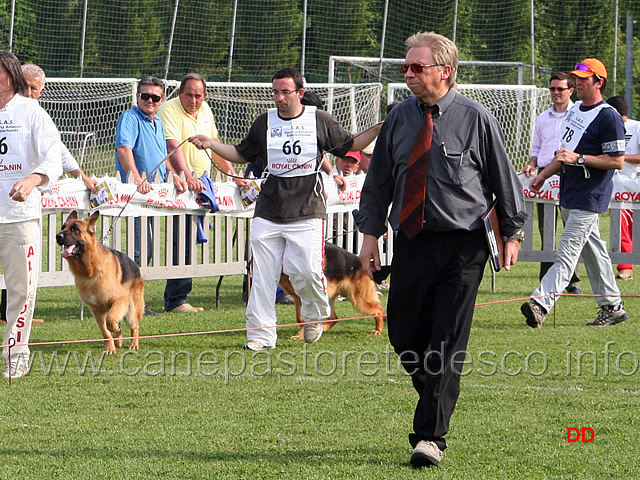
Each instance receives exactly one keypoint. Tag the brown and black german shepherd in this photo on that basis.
(346, 277)
(108, 281)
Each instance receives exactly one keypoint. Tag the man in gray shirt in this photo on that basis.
(436, 272)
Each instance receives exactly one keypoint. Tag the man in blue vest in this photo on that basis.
(592, 147)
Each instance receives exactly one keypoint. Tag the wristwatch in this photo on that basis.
(519, 235)
(580, 160)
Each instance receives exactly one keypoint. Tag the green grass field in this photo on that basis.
(199, 407)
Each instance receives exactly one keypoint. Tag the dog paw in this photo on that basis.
(296, 337)
(377, 332)
(109, 351)
(134, 346)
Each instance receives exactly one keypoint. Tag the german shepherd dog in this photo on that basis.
(346, 277)
(108, 281)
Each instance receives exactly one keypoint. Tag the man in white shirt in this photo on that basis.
(30, 150)
(630, 169)
(546, 140)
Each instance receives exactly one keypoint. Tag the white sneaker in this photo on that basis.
(255, 346)
(426, 453)
(19, 367)
(312, 332)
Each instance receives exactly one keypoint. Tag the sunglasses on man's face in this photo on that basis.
(416, 67)
(147, 96)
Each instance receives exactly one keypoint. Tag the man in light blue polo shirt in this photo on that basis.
(140, 139)
(141, 146)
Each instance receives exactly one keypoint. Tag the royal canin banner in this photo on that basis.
(626, 191)
(71, 194)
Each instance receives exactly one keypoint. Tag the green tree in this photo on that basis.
(267, 38)
(24, 45)
(340, 28)
(124, 38)
(202, 36)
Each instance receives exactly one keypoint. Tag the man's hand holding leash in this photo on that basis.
(369, 255)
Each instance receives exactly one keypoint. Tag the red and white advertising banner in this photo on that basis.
(114, 197)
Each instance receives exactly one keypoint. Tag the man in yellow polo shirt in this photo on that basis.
(184, 116)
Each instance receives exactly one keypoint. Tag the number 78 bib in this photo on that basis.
(292, 145)
(576, 123)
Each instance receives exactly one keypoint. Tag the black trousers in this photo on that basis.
(434, 283)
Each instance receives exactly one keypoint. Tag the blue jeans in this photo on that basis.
(177, 289)
(136, 240)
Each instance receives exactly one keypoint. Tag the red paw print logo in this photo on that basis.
(55, 189)
(353, 184)
(554, 183)
(163, 192)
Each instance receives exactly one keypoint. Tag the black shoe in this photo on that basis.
(148, 311)
(574, 290)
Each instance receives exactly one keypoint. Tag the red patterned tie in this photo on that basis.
(415, 185)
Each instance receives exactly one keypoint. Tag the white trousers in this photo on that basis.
(581, 236)
(297, 249)
(20, 255)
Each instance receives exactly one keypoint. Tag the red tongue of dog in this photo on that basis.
(68, 251)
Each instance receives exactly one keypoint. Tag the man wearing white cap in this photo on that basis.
(592, 147)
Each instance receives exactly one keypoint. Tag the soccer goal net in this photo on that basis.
(371, 69)
(86, 111)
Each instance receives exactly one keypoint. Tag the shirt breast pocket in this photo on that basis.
(454, 167)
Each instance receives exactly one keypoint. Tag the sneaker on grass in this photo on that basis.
(312, 332)
(625, 275)
(425, 454)
(255, 346)
(533, 313)
(609, 315)
(18, 368)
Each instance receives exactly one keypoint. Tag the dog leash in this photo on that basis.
(335, 237)
(297, 166)
(150, 175)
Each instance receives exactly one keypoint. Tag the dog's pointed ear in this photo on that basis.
(73, 215)
(93, 219)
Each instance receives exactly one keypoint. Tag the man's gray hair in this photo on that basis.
(34, 71)
(153, 81)
(444, 50)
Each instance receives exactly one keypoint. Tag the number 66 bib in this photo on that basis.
(292, 145)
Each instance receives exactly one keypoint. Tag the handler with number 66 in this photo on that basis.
(287, 233)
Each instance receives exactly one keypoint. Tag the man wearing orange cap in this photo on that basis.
(591, 148)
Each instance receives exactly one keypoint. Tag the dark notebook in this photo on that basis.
(494, 237)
